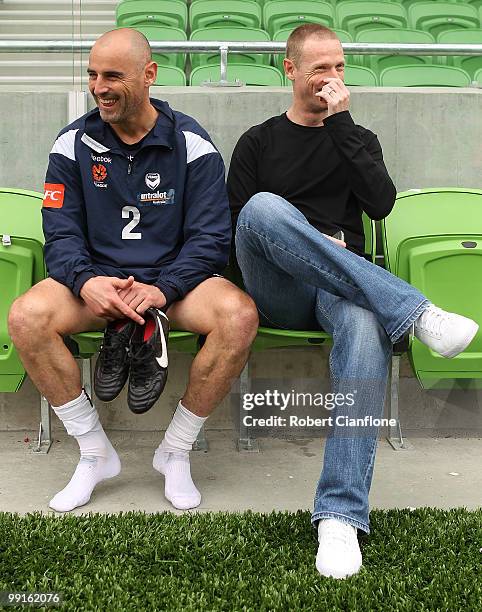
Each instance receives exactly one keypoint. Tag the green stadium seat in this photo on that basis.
(133, 13)
(392, 35)
(408, 3)
(224, 13)
(358, 15)
(433, 240)
(478, 77)
(230, 34)
(424, 76)
(289, 14)
(282, 35)
(161, 33)
(246, 73)
(21, 267)
(170, 76)
(360, 76)
(467, 62)
(437, 17)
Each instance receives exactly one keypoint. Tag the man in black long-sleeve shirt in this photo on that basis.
(294, 182)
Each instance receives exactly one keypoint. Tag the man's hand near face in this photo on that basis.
(336, 95)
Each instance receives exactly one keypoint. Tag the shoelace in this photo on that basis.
(431, 322)
(113, 347)
(141, 357)
(341, 533)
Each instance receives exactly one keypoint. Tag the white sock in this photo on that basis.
(98, 459)
(172, 459)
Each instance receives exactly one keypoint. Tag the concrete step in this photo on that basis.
(55, 15)
(42, 57)
(47, 28)
(53, 68)
(65, 4)
(36, 82)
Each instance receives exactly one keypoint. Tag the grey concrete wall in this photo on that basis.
(430, 137)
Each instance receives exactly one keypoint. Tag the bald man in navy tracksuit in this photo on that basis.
(136, 218)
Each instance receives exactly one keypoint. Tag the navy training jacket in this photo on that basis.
(160, 215)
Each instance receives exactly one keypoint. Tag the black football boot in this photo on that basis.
(148, 361)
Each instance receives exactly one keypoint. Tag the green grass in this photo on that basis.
(422, 560)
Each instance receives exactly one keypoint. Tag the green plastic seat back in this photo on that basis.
(282, 36)
(171, 76)
(424, 76)
(478, 77)
(392, 35)
(163, 33)
(21, 266)
(470, 64)
(289, 14)
(360, 76)
(437, 17)
(246, 73)
(133, 13)
(230, 34)
(433, 240)
(223, 13)
(408, 3)
(358, 15)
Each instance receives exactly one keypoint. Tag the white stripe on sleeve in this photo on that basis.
(65, 144)
(197, 146)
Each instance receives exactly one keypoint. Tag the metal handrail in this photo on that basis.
(225, 47)
(53, 46)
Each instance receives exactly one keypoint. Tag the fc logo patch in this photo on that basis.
(99, 172)
(54, 195)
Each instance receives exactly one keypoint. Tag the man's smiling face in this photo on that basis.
(116, 82)
(319, 59)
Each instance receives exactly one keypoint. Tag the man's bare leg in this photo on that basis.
(38, 320)
(228, 317)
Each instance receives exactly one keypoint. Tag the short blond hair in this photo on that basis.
(296, 40)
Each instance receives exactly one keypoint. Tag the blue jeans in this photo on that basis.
(300, 279)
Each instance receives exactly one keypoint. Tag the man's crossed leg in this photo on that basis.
(42, 317)
(300, 279)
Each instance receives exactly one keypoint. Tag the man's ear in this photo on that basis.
(150, 73)
(289, 67)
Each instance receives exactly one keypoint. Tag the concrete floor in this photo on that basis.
(443, 473)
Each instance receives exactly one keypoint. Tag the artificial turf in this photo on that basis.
(422, 560)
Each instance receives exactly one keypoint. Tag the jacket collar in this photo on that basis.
(99, 138)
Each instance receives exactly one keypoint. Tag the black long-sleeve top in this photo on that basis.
(331, 173)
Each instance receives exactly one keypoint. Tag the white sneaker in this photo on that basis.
(339, 554)
(444, 332)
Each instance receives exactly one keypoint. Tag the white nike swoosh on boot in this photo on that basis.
(163, 359)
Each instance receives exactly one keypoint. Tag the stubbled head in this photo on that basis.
(121, 71)
(313, 53)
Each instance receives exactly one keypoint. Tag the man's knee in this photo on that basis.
(237, 319)
(30, 316)
(260, 208)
